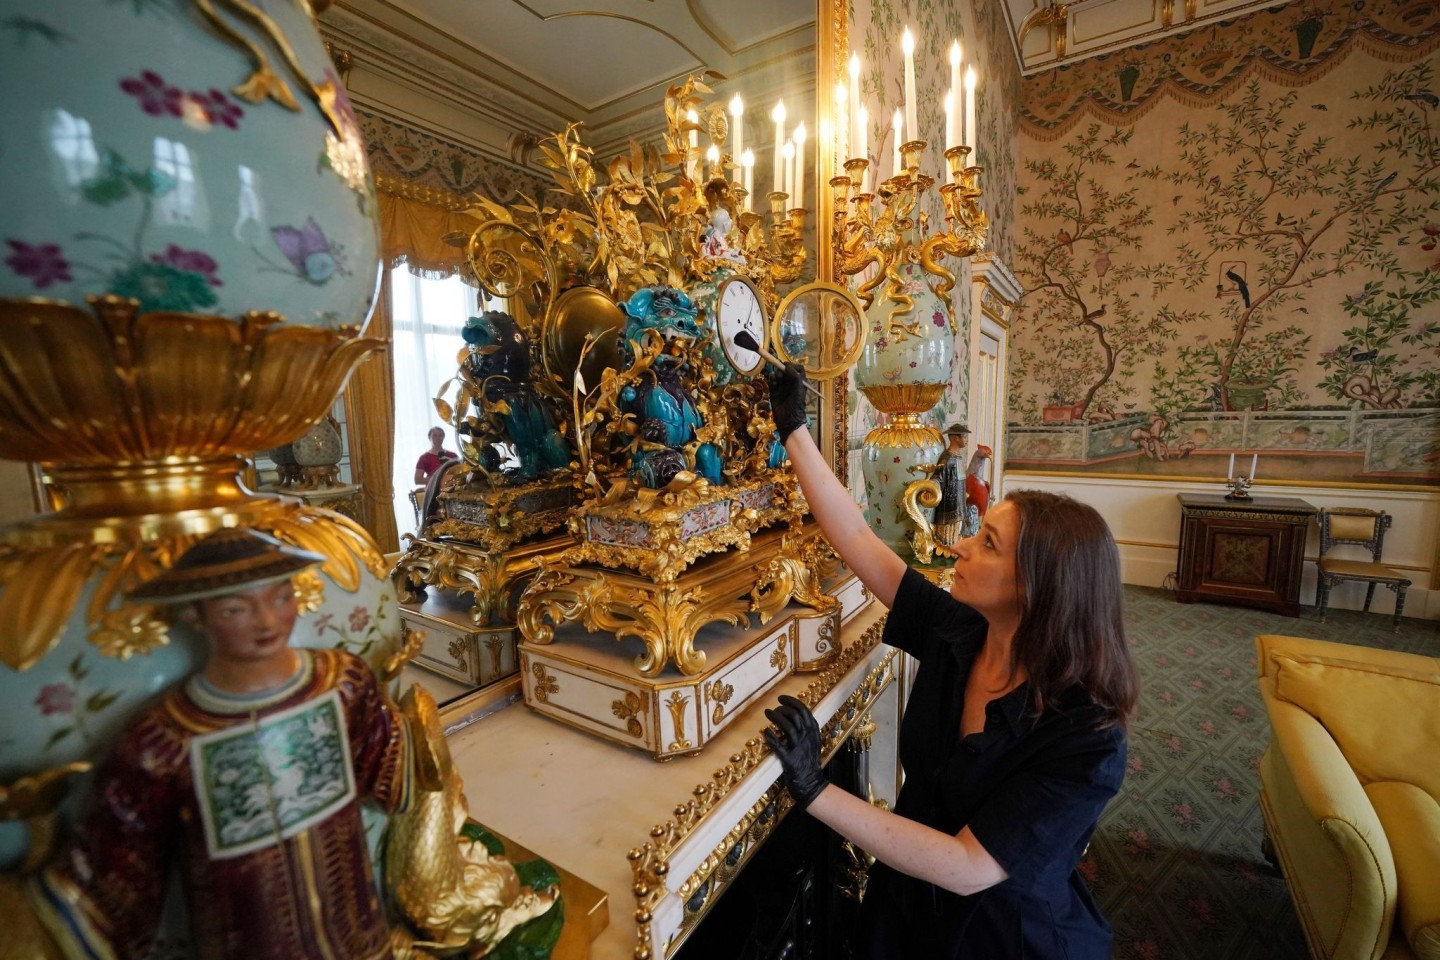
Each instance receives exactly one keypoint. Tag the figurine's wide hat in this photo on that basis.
(957, 429)
(226, 561)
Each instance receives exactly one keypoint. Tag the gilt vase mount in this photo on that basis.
(185, 278)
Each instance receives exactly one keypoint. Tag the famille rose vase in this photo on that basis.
(196, 159)
(903, 372)
(189, 254)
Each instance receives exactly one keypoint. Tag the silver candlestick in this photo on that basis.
(1239, 487)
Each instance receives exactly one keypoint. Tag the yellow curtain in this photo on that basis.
(413, 231)
(370, 414)
(413, 223)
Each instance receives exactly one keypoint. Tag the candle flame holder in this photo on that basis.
(898, 231)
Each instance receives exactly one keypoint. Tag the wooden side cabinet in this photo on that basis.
(1248, 553)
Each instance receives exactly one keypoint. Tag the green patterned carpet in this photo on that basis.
(1175, 864)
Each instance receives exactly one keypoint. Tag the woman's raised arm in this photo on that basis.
(840, 519)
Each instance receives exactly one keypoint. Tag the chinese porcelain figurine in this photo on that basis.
(948, 525)
(247, 780)
(661, 403)
(515, 418)
(977, 489)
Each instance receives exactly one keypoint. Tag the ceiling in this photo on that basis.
(535, 65)
(502, 67)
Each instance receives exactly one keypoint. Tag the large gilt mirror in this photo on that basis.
(455, 98)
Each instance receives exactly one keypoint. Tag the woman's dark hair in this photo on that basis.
(1072, 620)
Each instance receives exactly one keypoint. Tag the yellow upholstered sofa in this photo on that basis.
(1350, 791)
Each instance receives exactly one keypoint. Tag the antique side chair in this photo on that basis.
(1365, 528)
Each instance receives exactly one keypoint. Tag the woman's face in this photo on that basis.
(985, 568)
(251, 625)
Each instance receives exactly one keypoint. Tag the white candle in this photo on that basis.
(1254, 459)
(912, 126)
(737, 115)
(690, 155)
(778, 115)
(950, 118)
(857, 112)
(842, 127)
(797, 199)
(970, 110)
(1231, 472)
(955, 88)
(789, 170)
(747, 163)
(712, 156)
(864, 144)
(898, 161)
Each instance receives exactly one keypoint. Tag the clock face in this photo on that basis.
(738, 310)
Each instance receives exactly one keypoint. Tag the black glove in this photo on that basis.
(787, 397)
(798, 748)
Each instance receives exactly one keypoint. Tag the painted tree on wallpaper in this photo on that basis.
(1093, 304)
(1276, 209)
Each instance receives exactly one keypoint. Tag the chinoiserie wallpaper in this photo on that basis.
(426, 160)
(875, 27)
(1228, 241)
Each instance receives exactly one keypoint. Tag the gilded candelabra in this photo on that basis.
(907, 360)
(897, 234)
(1239, 487)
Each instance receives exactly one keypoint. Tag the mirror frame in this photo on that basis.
(832, 39)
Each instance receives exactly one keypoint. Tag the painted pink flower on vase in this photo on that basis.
(155, 95)
(55, 698)
(938, 319)
(323, 623)
(43, 263)
(359, 619)
(219, 109)
(191, 261)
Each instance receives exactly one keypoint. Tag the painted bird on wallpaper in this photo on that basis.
(1240, 285)
(1424, 96)
(1368, 356)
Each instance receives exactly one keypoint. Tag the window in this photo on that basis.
(427, 316)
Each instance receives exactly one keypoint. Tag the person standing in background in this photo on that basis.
(431, 459)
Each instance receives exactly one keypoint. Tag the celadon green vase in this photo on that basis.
(903, 372)
(189, 253)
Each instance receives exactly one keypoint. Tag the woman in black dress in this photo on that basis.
(1013, 738)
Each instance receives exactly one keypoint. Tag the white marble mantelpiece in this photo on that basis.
(584, 803)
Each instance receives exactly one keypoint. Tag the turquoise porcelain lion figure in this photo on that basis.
(660, 401)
